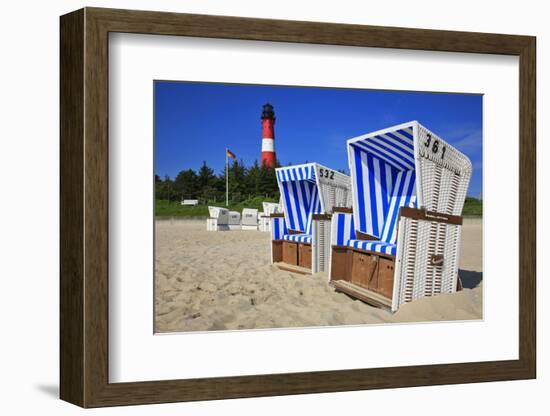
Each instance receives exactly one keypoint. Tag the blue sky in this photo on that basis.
(197, 121)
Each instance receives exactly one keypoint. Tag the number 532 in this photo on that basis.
(325, 173)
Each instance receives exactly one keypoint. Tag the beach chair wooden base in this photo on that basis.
(365, 275)
(289, 254)
(304, 255)
(341, 263)
(373, 272)
(365, 295)
(291, 268)
(277, 251)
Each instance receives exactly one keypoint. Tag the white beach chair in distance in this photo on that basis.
(401, 241)
(301, 235)
(218, 219)
(249, 219)
(234, 222)
(264, 217)
(189, 202)
(259, 220)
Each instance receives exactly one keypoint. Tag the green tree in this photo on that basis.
(206, 176)
(237, 181)
(209, 194)
(164, 189)
(244, 183)
(186, 185)
(268, 183)
(253, 179)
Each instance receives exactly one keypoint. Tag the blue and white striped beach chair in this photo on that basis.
(301, 235)
(401, 240)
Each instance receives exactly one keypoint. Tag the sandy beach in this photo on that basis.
(224, 281)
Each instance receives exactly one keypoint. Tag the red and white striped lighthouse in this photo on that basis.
(268, 136)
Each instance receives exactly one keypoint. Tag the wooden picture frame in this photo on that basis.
(84, 207)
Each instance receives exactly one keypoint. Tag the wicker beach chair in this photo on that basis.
(218, 219)
(401, 240)
(301, 235)
(249, 219)
(264, 221)
(234, 222)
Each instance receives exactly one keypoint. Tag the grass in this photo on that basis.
(472, 207)
(165, 208)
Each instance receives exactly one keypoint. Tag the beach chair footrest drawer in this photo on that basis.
(277, 250)
(296, 254)
(304, 255)
(373, 272)
(290, 253)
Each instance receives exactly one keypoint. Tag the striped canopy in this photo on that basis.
(383, 177)
(300, 196)
(296, 173)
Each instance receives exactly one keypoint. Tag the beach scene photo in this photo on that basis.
(297, 207)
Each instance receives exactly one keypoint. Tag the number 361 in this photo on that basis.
(434, 145)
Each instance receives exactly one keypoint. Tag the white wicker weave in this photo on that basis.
(320, 259)
(442, 184)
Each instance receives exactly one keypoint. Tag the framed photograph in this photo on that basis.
(255, 207)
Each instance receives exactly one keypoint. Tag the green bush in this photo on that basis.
(473, 207)
(163, 208)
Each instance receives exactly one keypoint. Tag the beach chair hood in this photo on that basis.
(389, 171)
(310, 189)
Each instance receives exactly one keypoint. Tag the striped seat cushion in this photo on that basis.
(374, 245)
(299, 238)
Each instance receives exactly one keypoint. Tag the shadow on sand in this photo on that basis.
(470, 279)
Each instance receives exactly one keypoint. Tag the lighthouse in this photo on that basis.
(268, 136)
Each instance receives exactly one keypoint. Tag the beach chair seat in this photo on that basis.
(299, 238)
(374, 245)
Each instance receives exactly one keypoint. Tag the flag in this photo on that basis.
(230, 154)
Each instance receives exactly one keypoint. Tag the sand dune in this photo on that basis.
(224, 281)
